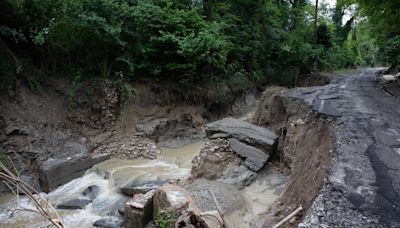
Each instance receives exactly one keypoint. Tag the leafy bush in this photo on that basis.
(391, 52)
(163, 221)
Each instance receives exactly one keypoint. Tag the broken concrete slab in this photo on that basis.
(248, 133)
(255, 159)
(55, 172)
(74, 204)
(326, 107)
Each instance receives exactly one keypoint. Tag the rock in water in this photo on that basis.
(32, 182)
(248, 133)
(255, 159)
(239, 176)
(91, 192)
(109, 222)
(137, 187)
(74, 204)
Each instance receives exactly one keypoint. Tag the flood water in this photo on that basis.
(109, 176)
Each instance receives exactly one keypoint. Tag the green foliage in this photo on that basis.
(127, 91)
(241, 42)
(163, 221)
(391, 52)
(73, 88)
(383, 16)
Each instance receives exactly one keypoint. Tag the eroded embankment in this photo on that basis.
(304, 150)
(63, 121)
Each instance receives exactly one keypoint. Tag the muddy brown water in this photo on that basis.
(173, 164)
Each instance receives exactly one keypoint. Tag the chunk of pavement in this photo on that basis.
(218, 136)
(91, 192)
(173, 199)
(326, 107)
(239, 176)
(255, 159)
(74, 204)
(31, 181)
(109, 222)
(137, 187)
(139, 210)
(251, 134)
(55, 172)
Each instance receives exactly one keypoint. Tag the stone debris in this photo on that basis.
(130, 147)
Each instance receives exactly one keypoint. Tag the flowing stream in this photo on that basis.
(110, 176)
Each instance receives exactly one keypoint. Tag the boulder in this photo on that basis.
(74, 204)
(55, 172)
(239, 176)
(32, 181)
(173, 199)
(255, 159)
(248, 133)
(138, 187)
(139, 210)
(109, 222)
(91, 192)
(155, 127)
(389, 78)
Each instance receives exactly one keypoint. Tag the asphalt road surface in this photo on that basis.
(363, 181)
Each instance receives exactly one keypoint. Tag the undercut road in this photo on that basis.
(363, 182)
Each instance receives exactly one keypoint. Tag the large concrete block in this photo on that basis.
(56, 172)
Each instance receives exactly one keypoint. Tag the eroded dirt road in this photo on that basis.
(363, 181)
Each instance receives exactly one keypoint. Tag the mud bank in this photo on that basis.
(304, 150)
(54, 123)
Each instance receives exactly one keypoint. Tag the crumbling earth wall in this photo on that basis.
(304, 149)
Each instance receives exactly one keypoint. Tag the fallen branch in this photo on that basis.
(43, 207)
(287, 218)
(219, 208)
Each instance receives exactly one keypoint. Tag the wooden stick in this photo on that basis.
(219, 208)
(287, 218)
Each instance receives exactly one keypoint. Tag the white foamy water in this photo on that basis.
(108, 176)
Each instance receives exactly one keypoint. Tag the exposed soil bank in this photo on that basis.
(38, 125)
(304, 149)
